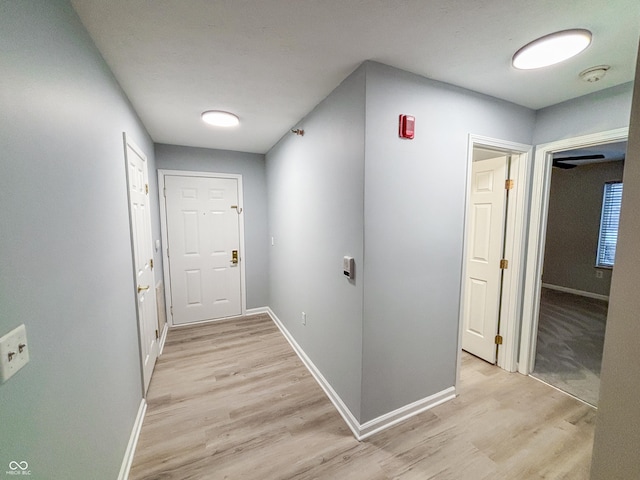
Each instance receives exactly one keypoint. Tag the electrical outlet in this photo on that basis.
(598, 273)
(304, 318)
(14, 352)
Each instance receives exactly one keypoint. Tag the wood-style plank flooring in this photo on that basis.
(231, 400)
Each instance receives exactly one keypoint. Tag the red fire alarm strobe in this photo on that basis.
(407, 125)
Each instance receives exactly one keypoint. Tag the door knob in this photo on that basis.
(234, 256)
(142, 289)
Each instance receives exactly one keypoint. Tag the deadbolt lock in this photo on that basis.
(234, 256)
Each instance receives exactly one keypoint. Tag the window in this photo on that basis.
(609, 224)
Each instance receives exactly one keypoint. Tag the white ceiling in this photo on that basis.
(272, 61)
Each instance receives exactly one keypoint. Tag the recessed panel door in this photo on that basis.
(485, 234)
(203, 232)
(140, 218)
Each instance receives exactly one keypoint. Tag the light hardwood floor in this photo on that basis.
(231, 400)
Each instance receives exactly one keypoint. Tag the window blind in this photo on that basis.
(612, 199)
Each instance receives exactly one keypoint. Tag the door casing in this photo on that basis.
(539, 205)
(165, 241)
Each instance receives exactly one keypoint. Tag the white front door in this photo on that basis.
(203, 232)
(140, 219)
(485, 231)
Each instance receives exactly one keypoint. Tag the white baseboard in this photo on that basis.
(343, 410)
(403, 413)
(256, 311)
(377, 424)
(133, 441)
(575, 292)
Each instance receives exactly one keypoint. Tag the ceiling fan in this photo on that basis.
(572, 162)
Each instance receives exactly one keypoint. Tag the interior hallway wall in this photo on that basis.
(315, 184)
(414, 227)
(65, 248)
(252, 168)
(597, 112)
(617, 438)
(411, 223)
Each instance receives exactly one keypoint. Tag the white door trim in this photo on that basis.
(515, 236)
(539, 205)
(162, 173)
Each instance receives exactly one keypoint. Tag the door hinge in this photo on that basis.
(164, 192)
(151, 263)
(171, 310)
(157, 336)
(146, 188)
(498, 339)
(504, 264)
(167, 253)
(508, 184)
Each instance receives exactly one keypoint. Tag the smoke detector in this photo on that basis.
(594, 74)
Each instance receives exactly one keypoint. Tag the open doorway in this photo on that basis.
(540, 220)
(581, 234)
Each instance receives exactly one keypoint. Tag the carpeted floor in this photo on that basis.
(570, 341)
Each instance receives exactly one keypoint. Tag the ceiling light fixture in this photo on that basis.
(551, 49)
(218, 118)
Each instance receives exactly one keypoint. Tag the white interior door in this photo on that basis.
(140, 218)
(485, 234)
(203, 232)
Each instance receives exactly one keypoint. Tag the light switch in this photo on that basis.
(14, 352)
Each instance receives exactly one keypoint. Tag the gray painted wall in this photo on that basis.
(409, 277)
(65, 251)
(252, 168)
(315, 186)
(598, 112)
(615, 450)
(414, 219)
(573, 225)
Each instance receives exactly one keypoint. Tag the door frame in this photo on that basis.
(539, 205)
(129, 143)
(162, 173)
(514, 242)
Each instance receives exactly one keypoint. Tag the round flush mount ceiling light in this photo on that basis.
(551, 49)
(218, 118)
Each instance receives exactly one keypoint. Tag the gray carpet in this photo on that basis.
(570, 341)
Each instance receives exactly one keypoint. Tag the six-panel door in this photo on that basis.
(203, 233)
(485, 230)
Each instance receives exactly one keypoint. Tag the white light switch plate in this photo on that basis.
(14, 352)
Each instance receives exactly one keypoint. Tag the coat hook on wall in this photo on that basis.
(298, 131)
